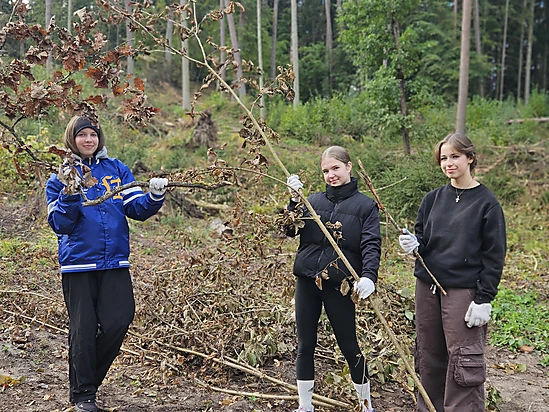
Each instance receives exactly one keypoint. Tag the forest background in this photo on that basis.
(380, 79)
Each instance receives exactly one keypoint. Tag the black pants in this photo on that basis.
(101, 308)
(341, 313)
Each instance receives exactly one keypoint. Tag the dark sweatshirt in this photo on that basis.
(462, 243)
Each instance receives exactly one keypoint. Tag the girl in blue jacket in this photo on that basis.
(93, 249)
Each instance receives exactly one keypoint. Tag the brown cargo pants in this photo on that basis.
(449, 356)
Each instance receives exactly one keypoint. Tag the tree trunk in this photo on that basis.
(223, 54)
(544, 69)
(521, 54)
(69, 16)
(503, 50)
(129, 38)
(236, 51)
(274, 38)
(528, 67)
(169, 38)
(478, 44)
(329, 43)
(260, 62)
(185, 75)
(295, 53)
(402, 86)
(464, 66)
(49, 61)
(544, 57)
(456, 17)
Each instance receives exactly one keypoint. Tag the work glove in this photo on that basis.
(478, 314)
(408, 242)
(158, 186)
(364, 287)
(295, 186)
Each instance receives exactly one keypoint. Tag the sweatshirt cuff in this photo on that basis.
(481, 298)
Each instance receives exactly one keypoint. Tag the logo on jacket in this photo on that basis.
(112, 183)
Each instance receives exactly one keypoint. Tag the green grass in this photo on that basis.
(520, 319)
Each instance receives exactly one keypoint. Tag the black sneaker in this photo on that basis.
(86, 406)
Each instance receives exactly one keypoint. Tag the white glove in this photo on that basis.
(365, 287)
(478, 314)
(295, 185)
(158, 186)
(408, 242)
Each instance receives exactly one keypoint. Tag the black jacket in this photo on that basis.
(360, 239)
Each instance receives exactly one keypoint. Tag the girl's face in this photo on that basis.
(336, 173)
(454, 164)
(86, 142)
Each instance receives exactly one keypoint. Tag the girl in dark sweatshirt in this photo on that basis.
(460, 234)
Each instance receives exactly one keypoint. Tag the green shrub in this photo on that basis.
(401, 181)
(506, 188)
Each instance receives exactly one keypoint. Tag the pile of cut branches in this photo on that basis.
(215, 309)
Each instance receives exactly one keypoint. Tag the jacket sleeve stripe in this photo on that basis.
(132, 198)
(51, 206)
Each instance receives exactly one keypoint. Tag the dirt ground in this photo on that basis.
(37, 357)
(34, 372)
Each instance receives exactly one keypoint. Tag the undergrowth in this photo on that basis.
(521, 321)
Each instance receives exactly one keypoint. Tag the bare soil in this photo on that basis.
(33, 357)
(40, 359)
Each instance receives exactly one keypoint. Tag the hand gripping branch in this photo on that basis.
(370, 185)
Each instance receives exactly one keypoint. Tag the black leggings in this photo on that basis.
(341, 313)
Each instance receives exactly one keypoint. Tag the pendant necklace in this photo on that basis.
(463, 190)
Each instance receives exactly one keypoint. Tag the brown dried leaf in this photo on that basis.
(89, 180)
(139, 84)
(344, 288)
(59, 151)
(324, 274)
(318, 282)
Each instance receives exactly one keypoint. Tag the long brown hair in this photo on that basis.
(462, 144)
(72, 129)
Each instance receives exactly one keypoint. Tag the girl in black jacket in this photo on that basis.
(354, 221)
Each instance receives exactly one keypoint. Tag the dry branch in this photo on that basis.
(233, 363)
(531, 119)
(260, 395)
(119, 189)
(370, 185)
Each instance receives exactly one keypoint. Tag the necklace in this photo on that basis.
(463, 190)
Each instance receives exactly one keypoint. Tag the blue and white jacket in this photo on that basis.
(97, 237)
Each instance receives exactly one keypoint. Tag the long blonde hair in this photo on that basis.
(336, 152)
